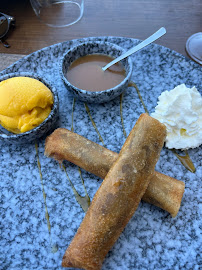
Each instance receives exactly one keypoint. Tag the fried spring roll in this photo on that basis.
(118, 196)
(163, 191)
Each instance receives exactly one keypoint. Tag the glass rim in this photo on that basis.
(190, 51)
(37, 12)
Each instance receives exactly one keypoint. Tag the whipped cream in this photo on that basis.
(180, 110)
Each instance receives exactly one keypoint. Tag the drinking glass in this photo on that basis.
(194, 47)
(57, 13)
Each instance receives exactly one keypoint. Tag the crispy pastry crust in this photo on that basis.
(118, 196)
(163, 191)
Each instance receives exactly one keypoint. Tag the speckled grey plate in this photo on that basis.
(152, 239)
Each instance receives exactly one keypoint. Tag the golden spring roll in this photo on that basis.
(163, 191)
(118, 196)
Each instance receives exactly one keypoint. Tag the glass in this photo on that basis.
(194, 47)
(56, 13)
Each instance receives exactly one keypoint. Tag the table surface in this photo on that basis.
(129, 18)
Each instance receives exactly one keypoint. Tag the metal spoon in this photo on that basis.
(141, 45)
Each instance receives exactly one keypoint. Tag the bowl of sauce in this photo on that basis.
(28, 107)
(82, 74)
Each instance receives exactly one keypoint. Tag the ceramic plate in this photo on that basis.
(152, 239)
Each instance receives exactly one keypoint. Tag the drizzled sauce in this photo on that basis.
(83, 201)
(94, 125)
(86, 73)
(121, 113)
(54, 247)
(186, 161)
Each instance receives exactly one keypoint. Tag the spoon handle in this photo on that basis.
(141, 45)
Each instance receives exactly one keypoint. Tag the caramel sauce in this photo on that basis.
(54, 247)
(86, 73)
(94, 125)
(83, 201)
(121, 113)
(185, 160)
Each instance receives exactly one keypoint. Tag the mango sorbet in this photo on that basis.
(24, 103)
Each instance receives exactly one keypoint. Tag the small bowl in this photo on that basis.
(87, 48)
(44, 127)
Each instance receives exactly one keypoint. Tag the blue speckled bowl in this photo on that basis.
(40, 130)
(95, 47)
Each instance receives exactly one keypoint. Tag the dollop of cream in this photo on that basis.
(180, 110)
